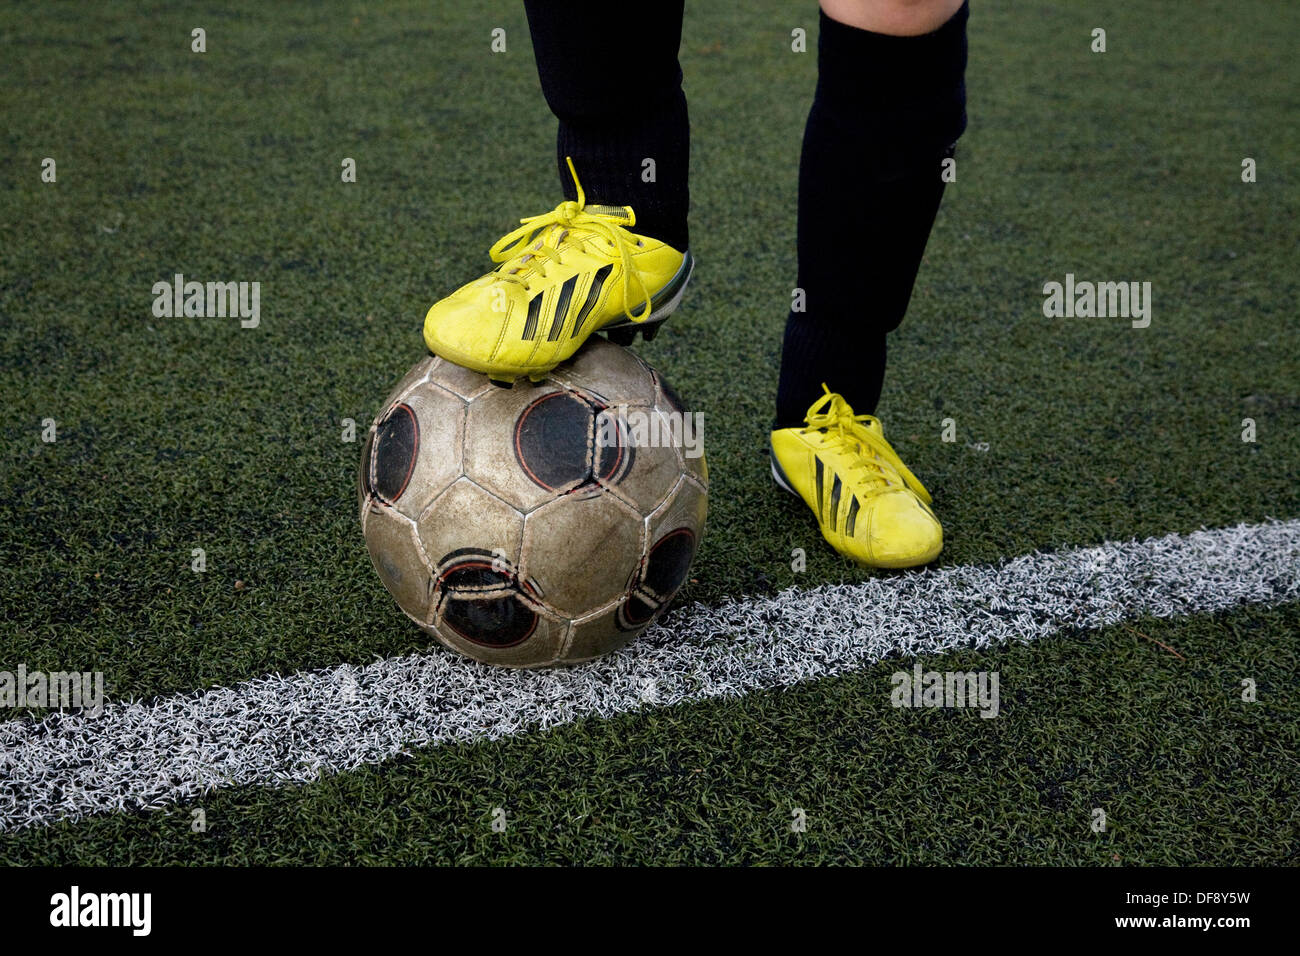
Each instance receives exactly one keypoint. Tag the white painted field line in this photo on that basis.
(282, 729)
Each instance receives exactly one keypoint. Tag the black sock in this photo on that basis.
(887, 111)
(609, 129)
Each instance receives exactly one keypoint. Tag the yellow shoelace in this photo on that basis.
(575, 225)
(834, 415)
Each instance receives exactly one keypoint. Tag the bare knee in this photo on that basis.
(895, 17)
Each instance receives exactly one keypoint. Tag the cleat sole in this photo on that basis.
(624, 332)
(621, 336)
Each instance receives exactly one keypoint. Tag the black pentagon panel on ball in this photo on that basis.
(564, 441)
(483, 602)
(393, 450)
(669, 562)
(553, 440)
(666, 567)
(636, 612)
(502, 621)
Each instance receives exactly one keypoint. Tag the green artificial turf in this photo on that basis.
(1156, 737)
(182, 433)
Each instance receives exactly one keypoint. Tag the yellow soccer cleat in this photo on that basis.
(563, 276)
(869, 506)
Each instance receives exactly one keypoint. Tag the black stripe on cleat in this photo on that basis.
(835, 501)
(593, 296)
(623, 335)
(562, 308)
(534, 312)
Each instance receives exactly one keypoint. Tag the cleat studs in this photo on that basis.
(501, 382)
(624, 336)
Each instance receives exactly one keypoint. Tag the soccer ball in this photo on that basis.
(540, 524)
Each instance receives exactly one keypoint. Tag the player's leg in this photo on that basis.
(614, 84)
(614, 254)
(889, 106)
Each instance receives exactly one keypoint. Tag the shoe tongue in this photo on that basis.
(622, 213)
